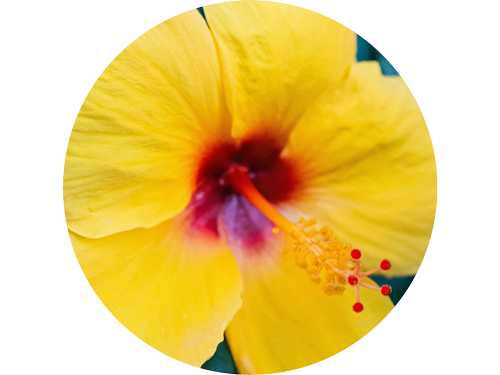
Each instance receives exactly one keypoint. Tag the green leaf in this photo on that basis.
(222, 360)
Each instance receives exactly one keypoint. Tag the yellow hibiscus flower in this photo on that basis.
(194, 158)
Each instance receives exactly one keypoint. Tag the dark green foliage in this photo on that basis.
(367, 52)
(202, 12)
(222, 361)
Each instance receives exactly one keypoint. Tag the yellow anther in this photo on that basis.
(316, 262)
(335, 246)
(311, 233)
(328, 289)
(310, 222)
(315, 278)
(330, 276)
(299, 248)
(302, 263)
(326, 232)
(338, 289)
(276, 230)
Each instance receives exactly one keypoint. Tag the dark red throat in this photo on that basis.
(273, 175)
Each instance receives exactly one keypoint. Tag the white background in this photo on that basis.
(51, 54)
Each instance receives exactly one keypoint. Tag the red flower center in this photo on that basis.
(217, 201)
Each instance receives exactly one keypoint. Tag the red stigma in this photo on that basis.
(385, 264)
(358, 307)
(385, 290)
(353, 280)
(355, 254)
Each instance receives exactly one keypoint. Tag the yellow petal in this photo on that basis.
(368, 161)
(276, 60)
(133, 151)
(176, 296)
(287, 322)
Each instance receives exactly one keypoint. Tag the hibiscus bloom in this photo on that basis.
(216, 177)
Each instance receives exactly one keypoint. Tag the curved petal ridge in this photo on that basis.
(176, 295)
(134, 149)
(369, 164)
(276, 59)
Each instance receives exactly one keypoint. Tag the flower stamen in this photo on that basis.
(325, 259)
